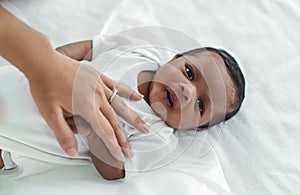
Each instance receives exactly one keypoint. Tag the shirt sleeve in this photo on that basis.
(150, 150)
(124, 44)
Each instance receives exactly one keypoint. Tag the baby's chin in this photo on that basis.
(161, 111)
(179, 127)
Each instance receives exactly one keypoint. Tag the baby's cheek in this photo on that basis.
(174, 119)
(160, 109)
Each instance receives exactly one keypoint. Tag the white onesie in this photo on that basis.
(23, 130)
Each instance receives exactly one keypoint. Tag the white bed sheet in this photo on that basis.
(190, 174)
(257, 150)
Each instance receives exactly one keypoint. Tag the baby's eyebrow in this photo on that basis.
(199, 68)
(193, 62)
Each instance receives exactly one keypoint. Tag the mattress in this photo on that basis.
(254, 153)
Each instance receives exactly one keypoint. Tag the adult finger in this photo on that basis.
(129, 115)
(123, 90)
(126, 92)
(105, 131)
(121, 108)
(119, 131)
(122, 139)
(62, 131)
(91, 112)
(79, 125)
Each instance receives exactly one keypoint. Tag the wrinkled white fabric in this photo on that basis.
(32, 131)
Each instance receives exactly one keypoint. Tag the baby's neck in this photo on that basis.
(144, 82)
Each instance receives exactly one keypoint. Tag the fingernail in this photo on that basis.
(130, 153)
(72, 152)
(139, 94)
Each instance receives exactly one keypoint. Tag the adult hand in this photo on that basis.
(62, 87)
(67, 88)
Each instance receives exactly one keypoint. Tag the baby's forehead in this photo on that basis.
(204, 58)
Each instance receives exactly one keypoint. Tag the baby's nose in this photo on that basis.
(188, 92)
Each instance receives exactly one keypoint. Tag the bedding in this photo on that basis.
(254, 153)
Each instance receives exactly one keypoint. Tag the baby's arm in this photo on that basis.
(107, 166)
(1, 160)
(79, 50)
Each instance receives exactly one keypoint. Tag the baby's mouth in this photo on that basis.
(170, 98)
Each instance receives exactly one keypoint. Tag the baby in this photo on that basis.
(194, 90)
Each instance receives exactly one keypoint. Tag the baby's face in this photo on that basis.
(190, 90)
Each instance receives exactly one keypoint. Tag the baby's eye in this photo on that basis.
(200, 105)
(189, 73)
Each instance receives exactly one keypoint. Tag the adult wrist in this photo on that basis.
(39, 59)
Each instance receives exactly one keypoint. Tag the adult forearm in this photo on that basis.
(23, 46)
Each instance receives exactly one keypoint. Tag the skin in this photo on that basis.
(187, 91)
(153, 85)
(185, 88)
(52, 75)
(1, 161)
